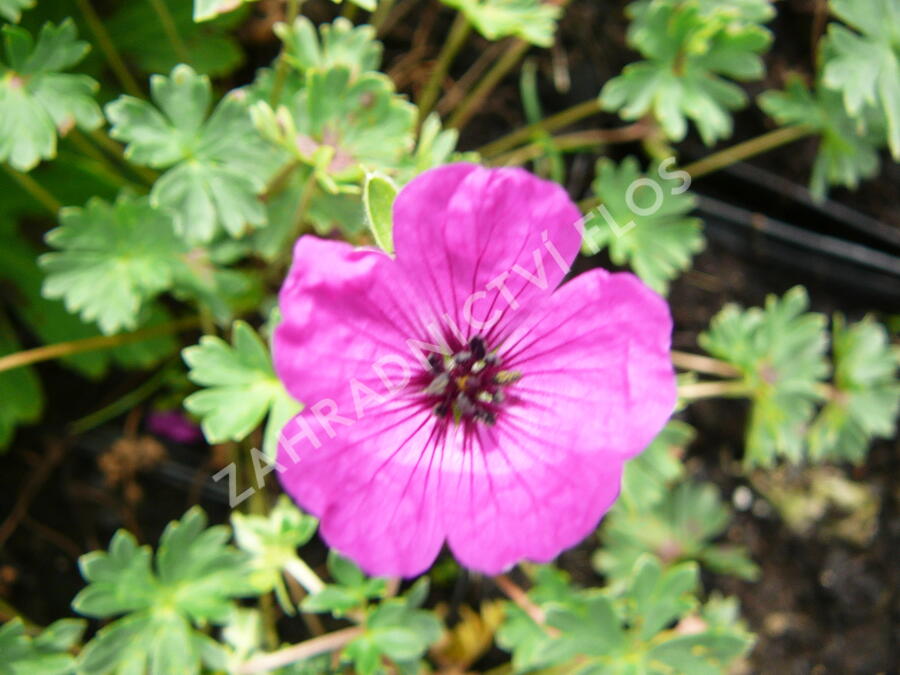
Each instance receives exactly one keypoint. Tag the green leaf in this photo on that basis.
(337, 44)
(625, 630)
(779, 351)
(681, 526)
(11, 10)
(38, 100)
(642, 220)
(848, 151)
(395, 631)
(352, 590)
(343, 124)
(272, 542)
(865, 66)
(45, 654)
(194, 581)
(690, 49)
(217, 167)
(531, 20)
(20, 389)
(112, 259)
(866, 396)
(240, 386)
(379, 193)
(212, 49)
(648, 477)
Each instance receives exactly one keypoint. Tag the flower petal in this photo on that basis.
(345, 313)
(502, 234)
(518, 495)
(372, 484)
(599, 349)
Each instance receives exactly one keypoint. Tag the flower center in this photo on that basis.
(468, 384)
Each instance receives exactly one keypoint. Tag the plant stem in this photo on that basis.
(574, 141)
(114, 149)
(455, 40)
(281, 68)
(35, 189)
(470, 104)
(300, 652)
(108, 47)
(747, 149)
(703, 364)
(380, 14)
(552, 123)
(111, 171)
(120, 405)
(60, 349)
(171, 30)
(727, 388)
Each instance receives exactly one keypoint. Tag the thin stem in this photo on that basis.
(282, 67)
(518, 595)
(171, 30)
(462, 85)
(455, 40)
(470, 104)
(303, 573)
(114, 149)
(698, 390)
(747, 149)
(120, 405)
(380, 14)
(60, 349)
(574, 141)
(400, 10)
(309, 188)
(35, 189)
(111, 171)
(108, 47)
(703, 364)
(300, 652)
(552, 123)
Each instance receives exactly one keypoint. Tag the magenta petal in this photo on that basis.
(373, 485)
(344, 310)
(599, 349)
(505, 235)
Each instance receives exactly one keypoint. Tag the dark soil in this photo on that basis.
(823, 604)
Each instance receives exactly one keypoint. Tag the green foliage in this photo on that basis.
(865, 66)
(45, 654)
(341, 44)
(866, 397)
(162, 602)
(642, 220)
(647, 477)
(217, 167)
(597, 631)
(112, 259)
(398, 630)
(11, 10)
(848, 151)
(690, 48)
(210, 48)
(681, 526)
(240, 388)
(37, 99)
(272, 541)
(531, 20)
(379, 193)
(779, 352)
(352, 591)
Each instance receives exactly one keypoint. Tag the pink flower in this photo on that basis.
(453, 392)
(173, 425)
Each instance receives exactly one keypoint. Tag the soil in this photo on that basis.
(824, 603)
